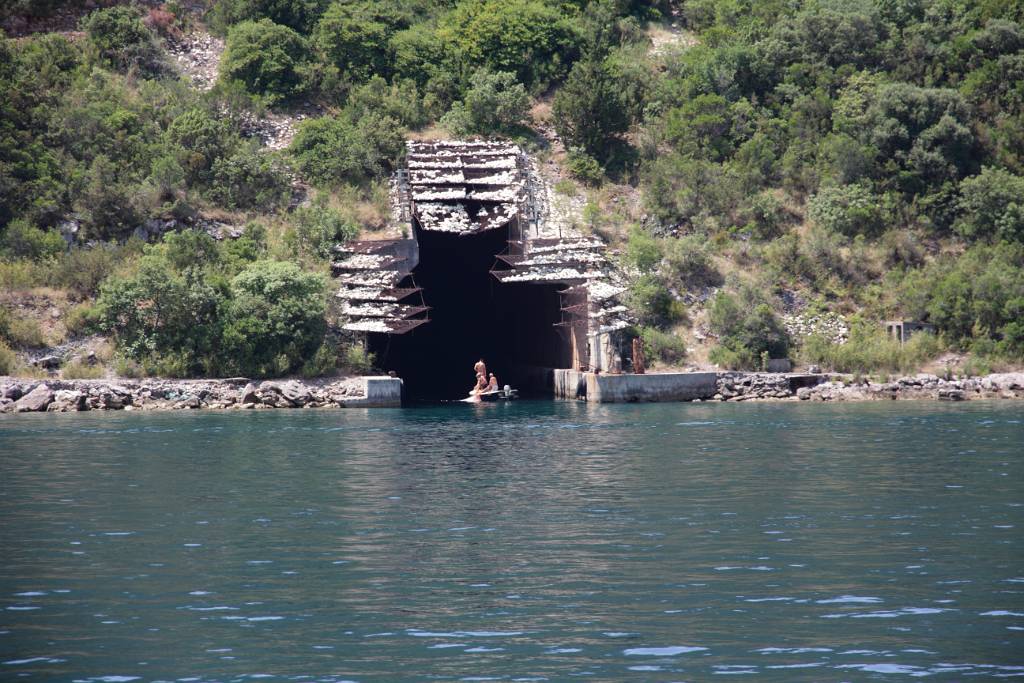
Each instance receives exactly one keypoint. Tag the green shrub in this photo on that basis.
(688, 260)
(324, 361)
(566, 187)
(108, 205)
(354, 37)
(977, 366)
(356, 360)
(300, 15)
(269, 59)
(343, 149)
(82, 270)
(993, 206)
(588, 111)
(319, 227)
(79, 370)
(399, 101)
(663, 347)
(82, 319)
(275, 319)
(871, 350)
(119, 37)
(127, 368)
(764, 216)
(23, 274)
(651, 300)
(978, 295)
(729, 359)
(643, 251)
(747, 327)
(848, 210)
(199, 139)
(249, 179)
(499, 34)
(8, 361)
(494, 103)
(24, 240)
(584, 167)
(19, 331)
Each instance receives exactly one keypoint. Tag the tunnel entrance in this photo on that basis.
(511, 325)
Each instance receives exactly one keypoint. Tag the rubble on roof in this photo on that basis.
(599, 290)
(382, 326)
(464, 187)
(370, 274)
(378, 309)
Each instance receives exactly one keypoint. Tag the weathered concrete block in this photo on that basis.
(382, 392)
(676, 386)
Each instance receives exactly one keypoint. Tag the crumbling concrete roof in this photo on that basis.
(464, 187)
(592, 298)
(369, 274)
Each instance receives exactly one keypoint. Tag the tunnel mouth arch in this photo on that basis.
(513, 327)
(481, 277)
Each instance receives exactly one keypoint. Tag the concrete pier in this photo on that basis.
(601, 388)
(381, 392)
(680, 386)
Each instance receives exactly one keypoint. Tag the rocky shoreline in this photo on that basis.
(20, 395)
(26, 395)
(741, 386)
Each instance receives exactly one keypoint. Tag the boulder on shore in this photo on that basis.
(34, 401)
(67, 401)
(248, 394)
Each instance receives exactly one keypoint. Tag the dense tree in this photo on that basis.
(588, 111)
(299, 15)
(275, 320)
(347, 148)
(199, 139)
(748, 330)
(269, 59)
(847, 209)
(993, 206)
(494, 103)
(530, 38)
(355, 38)
(249, 179)
(119, 38)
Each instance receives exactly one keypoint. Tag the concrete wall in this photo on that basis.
(602, 388)
(381, 392)
(571, 384)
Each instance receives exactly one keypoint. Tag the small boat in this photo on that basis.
(506, 394)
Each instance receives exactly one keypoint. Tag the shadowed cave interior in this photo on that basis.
(473, 316)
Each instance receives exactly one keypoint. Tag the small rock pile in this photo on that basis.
(744, 386)
(831, 326)
(29, 396)
(276, 131)
(198, 57)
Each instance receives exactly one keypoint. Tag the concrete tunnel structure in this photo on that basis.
(478, 277)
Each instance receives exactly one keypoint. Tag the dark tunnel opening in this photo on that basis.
(511, 326)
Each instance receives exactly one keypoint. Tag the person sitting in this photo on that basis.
(493, 384)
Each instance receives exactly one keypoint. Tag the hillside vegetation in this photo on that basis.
(777, 177)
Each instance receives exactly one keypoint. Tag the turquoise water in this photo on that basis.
(529, 541)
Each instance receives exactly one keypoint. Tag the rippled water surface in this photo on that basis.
(531, 541)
